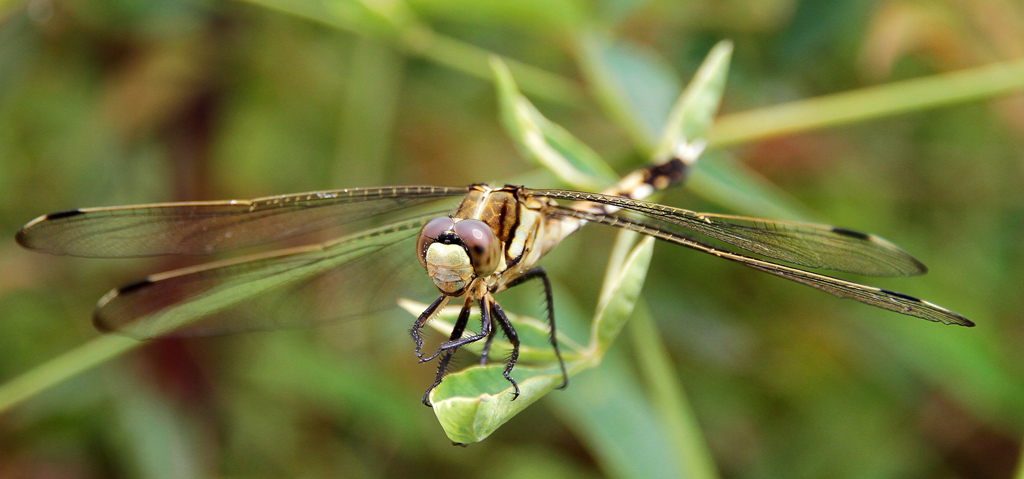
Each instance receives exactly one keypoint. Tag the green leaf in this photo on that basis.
(633, 85)
(690, 120)
(548, 144)
(473, 403)
(620, 291)
(352, 16)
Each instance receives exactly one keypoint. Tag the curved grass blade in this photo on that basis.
(633, 85)
(545, 142)
(620, 292)
(610, 414)
(669, 401)
(393, 23)
(685, 133)
(62, 368)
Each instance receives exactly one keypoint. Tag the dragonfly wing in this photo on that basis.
(804, 244)
(298, 287)
(205, 227)
(882, 298)
(811, 245)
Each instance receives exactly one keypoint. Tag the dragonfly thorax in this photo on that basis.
(457, 251)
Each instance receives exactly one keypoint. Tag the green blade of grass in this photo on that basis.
(669, 399)
(634, 86)
(896, 98)
(691, 116)
(547, 143)
(399, 27)
(63, 367)
(621, 291)
(609, 413)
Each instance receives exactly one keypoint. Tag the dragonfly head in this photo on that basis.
(455, 252)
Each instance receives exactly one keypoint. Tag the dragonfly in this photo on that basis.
(490, 241)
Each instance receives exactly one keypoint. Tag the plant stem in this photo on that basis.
(669, 399)
(869, 103)
(63, 367)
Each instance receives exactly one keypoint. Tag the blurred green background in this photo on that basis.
(116, 102)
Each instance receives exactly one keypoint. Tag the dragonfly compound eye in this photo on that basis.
(429, 234)
(481, 243)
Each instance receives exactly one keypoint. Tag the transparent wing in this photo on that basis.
(291, 288)
(885, 299)
(810, 245)
(205, 227)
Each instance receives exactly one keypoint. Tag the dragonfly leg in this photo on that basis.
(539, 272)
(487, 346)
(485, 331)
(422, 320)
(457, 330)
(513, 338)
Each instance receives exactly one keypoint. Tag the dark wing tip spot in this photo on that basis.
(25, 238)
(957, 319)
(133, 286)
(851, 233)
(901, 295)
(63, 214)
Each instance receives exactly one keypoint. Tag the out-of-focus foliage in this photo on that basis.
(105, 103)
